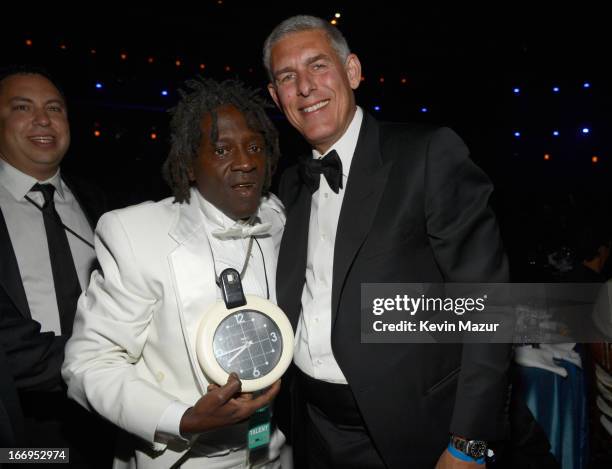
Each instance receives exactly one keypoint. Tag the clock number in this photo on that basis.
(256, 373)
(239, 318)
(273, 336)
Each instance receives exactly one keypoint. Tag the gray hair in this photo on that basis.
(304, 23)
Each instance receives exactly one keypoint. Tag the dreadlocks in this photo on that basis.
(202, 97)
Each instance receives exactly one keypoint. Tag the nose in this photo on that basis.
(41, 117)
(243, 161)
(305, 85)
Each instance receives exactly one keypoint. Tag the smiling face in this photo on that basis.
(34, 130)
(230, 171)
(312, 87)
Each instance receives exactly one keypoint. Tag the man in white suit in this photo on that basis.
(132, 355)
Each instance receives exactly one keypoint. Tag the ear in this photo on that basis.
(272, 91)
(353, 70)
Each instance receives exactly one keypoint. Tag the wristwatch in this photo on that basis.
(473, 448)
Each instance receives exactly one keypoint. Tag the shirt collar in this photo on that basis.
(18, 184)
(215, 216)
(345, 146)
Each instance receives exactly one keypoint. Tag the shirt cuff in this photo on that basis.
(169, 425)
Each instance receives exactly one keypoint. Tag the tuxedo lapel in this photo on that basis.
(10, 278)
(193, 276)
(291, 270)
(365, 185)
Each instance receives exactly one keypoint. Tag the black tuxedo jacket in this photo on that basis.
(34, 358)
(415, 210)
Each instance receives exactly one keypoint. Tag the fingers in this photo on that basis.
(245, 396)
(229, 389)
(268, 396)
(247, 405)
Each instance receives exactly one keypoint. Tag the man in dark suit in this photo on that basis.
(378, 203)
(46, 231)
(11, 417)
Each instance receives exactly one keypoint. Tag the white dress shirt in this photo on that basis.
(231, 253)
(26, 229)
(313, 352)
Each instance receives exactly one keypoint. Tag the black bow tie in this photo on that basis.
(329, 166)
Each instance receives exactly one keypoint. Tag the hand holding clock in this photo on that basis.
(222, 406)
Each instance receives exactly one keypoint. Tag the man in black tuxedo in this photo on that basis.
(46, 231)
(385, 203)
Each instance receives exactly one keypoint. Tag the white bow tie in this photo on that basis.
(242, 230)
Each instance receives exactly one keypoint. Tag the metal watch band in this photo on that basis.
(473, 448)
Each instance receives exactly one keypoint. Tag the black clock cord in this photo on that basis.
(263, 260)
(246, 263)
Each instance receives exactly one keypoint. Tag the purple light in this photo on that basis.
(517, 134)
(585, 130)
(424, 109)
(555, 133)
(164, 93)
(516, 90)
(377, 108)
(99, 85)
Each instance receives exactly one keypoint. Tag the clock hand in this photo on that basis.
(242, 349)
(230, 351)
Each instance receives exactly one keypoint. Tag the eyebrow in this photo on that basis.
(309, 61)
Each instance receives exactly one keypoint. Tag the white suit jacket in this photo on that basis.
(132, 351)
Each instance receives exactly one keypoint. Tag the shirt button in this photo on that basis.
(159, 376)
(324, 236)
(326, 195)
(319, 361)
(316, 320)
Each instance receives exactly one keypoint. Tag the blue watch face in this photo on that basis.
(249, 343)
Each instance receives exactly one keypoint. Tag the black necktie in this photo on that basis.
(65, 279)
(329, 166)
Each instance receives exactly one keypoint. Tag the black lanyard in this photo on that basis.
(55, 220)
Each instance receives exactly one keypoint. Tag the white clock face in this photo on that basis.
(248, 343)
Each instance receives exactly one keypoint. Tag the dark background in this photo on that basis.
(460, 62)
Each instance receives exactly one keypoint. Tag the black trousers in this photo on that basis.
(332, 431)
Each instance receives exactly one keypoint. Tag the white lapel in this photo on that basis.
(191, 264)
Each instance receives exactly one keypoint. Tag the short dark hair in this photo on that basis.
(27, 69)
(203, 96)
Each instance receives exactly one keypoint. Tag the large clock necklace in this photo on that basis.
(245, 334)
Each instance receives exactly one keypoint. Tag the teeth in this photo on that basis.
(317, 106)
(43, 139)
